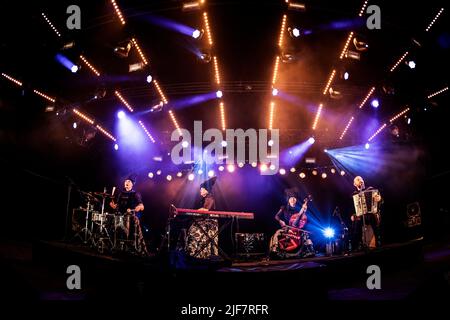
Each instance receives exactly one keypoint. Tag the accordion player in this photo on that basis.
(367, 218)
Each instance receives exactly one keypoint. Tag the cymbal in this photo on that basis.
(103, 194)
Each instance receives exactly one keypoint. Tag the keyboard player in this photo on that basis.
(203, 229)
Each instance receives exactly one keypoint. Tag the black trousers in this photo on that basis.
(358, 228)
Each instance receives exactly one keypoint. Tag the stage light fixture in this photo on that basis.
(121, 114)
(411, 64)
(116, 147)
(272, 167)
(398, 115)
(344, 50)
(157, 107)
(139, 50)
(240, 164)
(222, 117)
(324, 175)
(105, 132)
(83, 116)
(328, 233)
(122, 99)
(254, 164)
(292, 170)
(158, 172)
(200, 172)
(197, 34)
(179, 174)
(434, 20)
(118, 12)
(346, 75)
(74, 125)
(208, 30)
(294, 32)
(205, 57)
(263, 167)
(191, 177)
(90, 66)
(367, 97)
(375, 103)
(311, 140)
(223, 143)
(270, 143)
(161, 94)
(216, 70)
(272, 110)
(377, 132)
(367, 146)
(169, 177)
(302, 175)
(221, 168)
(399, 61)
(282, 171)
(437, 93)
(314, 172)
(185, 144)
(51, 24)
(287, 57)
(148, 135)
(333, 170)
(123, 49)
(274, 91)
(192, 5)
(219, 94)
(275, 70)
(151, 175)
(211, 173)
(330, 80)
(316, 119)
(43, 95)
(334, 94)
(296, 6)
(17, 82)
(360, 45)
(230, 168)
(74, 68)
(342, 173)
(363, 8)
(149, 79)
(283, 26)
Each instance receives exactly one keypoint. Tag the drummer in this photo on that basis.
(128, 201)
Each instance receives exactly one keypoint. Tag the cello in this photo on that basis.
(292, 237)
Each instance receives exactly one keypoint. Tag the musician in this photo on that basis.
(128, 203)
(291, 214)
(371, 219)
(203, 230)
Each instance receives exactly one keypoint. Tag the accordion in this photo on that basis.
(364, 202)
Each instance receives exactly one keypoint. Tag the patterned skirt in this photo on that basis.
(198, 244)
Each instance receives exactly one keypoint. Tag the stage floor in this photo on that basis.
(410, 270)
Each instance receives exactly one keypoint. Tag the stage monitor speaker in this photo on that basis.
(250, 244)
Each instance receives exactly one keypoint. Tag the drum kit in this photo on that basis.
(104, 231)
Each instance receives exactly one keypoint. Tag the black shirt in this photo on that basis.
(208, 202)
(285, 213)
(127, 200)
